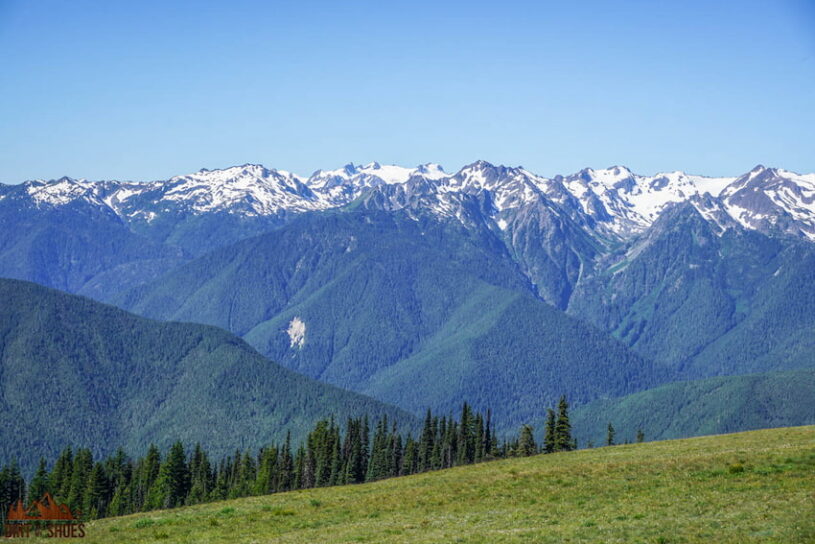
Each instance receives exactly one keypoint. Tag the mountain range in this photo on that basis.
(423, 289)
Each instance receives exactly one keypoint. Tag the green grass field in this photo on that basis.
(749, 487)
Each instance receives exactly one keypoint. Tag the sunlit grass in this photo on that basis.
(741, 488)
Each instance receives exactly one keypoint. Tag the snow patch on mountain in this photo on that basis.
(296, 332)
(62, 191)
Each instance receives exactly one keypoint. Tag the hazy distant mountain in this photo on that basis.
(556, 227)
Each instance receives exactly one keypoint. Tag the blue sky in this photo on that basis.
(146, 90)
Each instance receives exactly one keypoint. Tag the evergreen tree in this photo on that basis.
(60, 478)
(96, 494)
(173, 483)
(285, 468)
(489, 443)
(549, 441)
(147, 474)
(40, 483)
(83, 465)
(563, 429)
(610, 435)
(200, 476)
(426, 443)
(526, 442)
(410, 461)
(12, 487)
(640, 436)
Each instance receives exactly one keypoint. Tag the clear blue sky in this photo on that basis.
(146, 90)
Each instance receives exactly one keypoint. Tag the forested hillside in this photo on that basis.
(710, 406)
(421, 312)
(707, 302)
(81, 373)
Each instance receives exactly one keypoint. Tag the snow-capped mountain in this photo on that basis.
(612, 203)
(769, 199)
(246, 190)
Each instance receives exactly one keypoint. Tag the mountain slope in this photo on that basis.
(399, 306)
(710, 406)
(74, 371)
(706, 301)
(72, 244)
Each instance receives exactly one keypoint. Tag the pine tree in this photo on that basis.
(549, 441)
(12, 487)
(60, 477)
(526, 442)
(200, 476)
(426, 443)
(640, 436)
(96, 494)
(563, 429)
(147, 474)
(83, 465)
(410, 461)
(285, 468)
(299, 468)
(489, 442)
(478, 439)
(610, 435)
(173, 483)
(40, 483)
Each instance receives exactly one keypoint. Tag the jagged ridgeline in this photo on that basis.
(78, 372)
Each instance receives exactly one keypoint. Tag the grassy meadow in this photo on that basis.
(748, 487)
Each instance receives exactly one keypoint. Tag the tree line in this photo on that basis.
(330, 455)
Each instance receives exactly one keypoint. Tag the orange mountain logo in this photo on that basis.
(45, 517)
(44, 509)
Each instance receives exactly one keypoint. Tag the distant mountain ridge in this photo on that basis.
(617, 201)
(556, 227)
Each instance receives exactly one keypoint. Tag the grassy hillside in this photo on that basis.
(77, 372)
(742, 488)
(710, 406)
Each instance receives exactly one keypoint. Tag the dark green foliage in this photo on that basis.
(701, 407)
(563, 429)
(610, 434)
(79, 372)
(550, 437)
(526, 442)
(173, 483)
(12, 487)
(40, 483)
(329, 456)
(705, 303)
